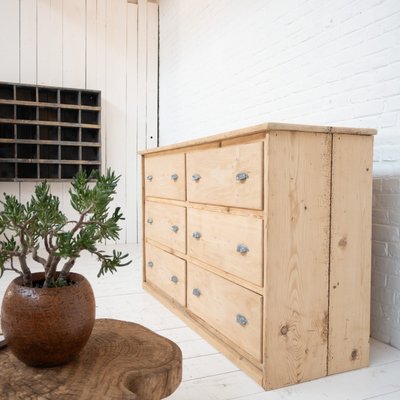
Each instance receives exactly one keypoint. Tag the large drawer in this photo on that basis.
(167, 272)
(165, 176)
(166, 224)
(229, 176)
(231, 309)
(232, 243)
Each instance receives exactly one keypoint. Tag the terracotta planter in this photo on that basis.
(45, 327)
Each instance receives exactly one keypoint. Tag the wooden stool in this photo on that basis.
(121, 360)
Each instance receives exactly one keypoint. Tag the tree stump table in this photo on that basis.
(121, 361)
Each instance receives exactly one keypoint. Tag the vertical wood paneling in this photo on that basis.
(131, 125)
(152, 76)
(297, 257)
(116, 98)
(28, 32)
(50, 44)
(74, 43)
(350, 253)
(91, 44)
(9, 40)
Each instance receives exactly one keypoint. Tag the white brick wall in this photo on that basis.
(231, 63)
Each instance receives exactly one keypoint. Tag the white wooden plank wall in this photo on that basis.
(93, 44)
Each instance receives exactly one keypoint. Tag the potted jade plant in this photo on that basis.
(47, 317)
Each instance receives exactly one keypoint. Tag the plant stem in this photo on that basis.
(52, 271)
(66, 268)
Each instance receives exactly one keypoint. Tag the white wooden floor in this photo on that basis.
(207, 374)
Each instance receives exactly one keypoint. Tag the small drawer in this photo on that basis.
(165, 176)
(229, 308)
(166, 224)
(228, 176)
(232, 243)
(167, 272)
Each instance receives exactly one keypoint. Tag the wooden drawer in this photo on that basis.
(232, 243)
(167, 272)
(229, 176)
(166, 224)
(231, 309)
(165, 176)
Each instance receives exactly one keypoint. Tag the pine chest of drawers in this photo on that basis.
(260, 240)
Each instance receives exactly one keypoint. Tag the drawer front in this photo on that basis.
(229, 176)
(231, 309)
(166, 224)
(167, 272)
(165, 176)
(233, 243)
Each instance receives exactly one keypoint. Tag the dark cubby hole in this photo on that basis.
(89, 117)
(70, 153)
(90, 153)
(26, 112)
(28, 171)
(6, 92)
(69, 134)
(26, 132)
(69, 116)
(90, 168)
(49, 152)
(6, 111)
(26, 93)
(48, 132)
(48, 171)
(68, 170)
(7, 150)
(69, 97)
(26, 151)
(89, 98)
(48, 95)
(6, 131)
(7, 170)
(90, 135)
(48, 114)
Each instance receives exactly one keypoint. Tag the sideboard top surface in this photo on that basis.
(266, 127)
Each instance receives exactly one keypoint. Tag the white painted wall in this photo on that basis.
(230, 63)
(90, 44)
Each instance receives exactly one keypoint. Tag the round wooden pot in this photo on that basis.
(45, 327)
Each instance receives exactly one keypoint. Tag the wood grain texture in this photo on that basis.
(297, 257)
(161, 267)
(350, 270)
(218, 169)
(219, 237)
(220, 302)
(122, 360)
(160, 220)
(160, 172)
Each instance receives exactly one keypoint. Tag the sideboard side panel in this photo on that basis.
(350, 265)
(299, 175)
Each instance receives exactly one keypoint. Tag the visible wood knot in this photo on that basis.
(343, 242)
(335, 286)
(354, 354)
(305, 207)
(284, 330)
(367, 169)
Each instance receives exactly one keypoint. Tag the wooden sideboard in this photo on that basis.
(260, 239)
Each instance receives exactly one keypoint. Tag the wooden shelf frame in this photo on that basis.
(48, 132)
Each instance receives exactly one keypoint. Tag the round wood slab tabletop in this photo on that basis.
(121, 361)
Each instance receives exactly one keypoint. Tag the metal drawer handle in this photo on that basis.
(174, 177)
(241, 320)
(150, 220)
(241, 176)
(150, 264)
(242, 248)
(174, 279)
(196, 235)
(149, 177)
(196, 177)
(196, 292)
(175, 228)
